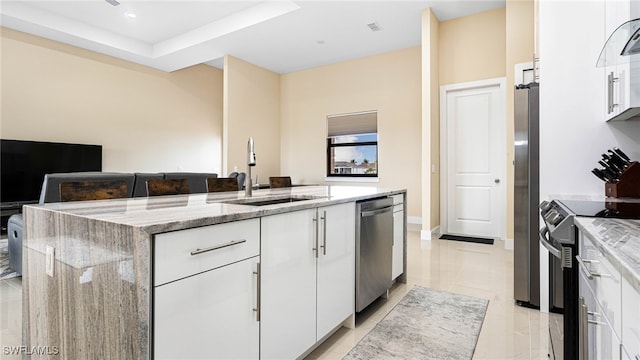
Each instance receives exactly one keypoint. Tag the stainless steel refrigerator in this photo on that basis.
(526, 253)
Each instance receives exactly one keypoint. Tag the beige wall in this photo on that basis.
(430, 123)
(519, 49)
(251, 109)
(473, 47)
(145, 119)
(488, 45)
(389, 83)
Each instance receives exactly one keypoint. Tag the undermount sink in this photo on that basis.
(271, 200)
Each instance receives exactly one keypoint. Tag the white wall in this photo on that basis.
(573, 132)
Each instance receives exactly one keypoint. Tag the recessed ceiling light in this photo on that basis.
(130, 15)
(320, 42)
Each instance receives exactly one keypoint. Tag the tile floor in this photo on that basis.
(485, 271)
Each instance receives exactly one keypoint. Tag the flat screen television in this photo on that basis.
(23, 165)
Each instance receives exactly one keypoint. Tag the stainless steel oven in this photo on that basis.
(559, 236)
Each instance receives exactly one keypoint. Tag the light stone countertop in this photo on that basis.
(160, 214)
(619, 241)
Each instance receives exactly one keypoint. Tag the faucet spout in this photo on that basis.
(251, 162)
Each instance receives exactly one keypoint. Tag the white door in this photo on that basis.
(475, 156)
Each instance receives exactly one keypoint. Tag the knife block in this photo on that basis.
(628, 184)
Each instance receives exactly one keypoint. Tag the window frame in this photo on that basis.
(331, 146)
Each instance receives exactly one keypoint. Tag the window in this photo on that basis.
(352, 145)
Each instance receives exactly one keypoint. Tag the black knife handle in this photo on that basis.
(597, 173)
(621, 154)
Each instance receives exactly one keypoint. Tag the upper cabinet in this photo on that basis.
(621, 72)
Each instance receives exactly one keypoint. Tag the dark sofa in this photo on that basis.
(50, 192)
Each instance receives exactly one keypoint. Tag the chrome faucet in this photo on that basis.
(251, 161)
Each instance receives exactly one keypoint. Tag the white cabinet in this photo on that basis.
(209, 315)
(631, 320)
(397, 267)
(603, 280)
(336, 267)
(597, 338)
(288, 283)
(622, 73)
(307, 272)
(205, 298)
(601, 310)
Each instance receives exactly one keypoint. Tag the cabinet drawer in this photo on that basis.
(186, 252)
(397, 199)
(604, 280)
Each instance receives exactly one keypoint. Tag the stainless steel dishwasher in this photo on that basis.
(374, 246)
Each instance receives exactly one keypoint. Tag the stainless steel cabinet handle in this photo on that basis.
(315, 228)
(324, 232)
(593, 313)
(217, 247)
(583, 332)
(610, 88)
(377, 211)
(585, 270)
(258, 286)
(596, 322)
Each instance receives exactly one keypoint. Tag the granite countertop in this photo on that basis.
(619, 241)
(169, 213)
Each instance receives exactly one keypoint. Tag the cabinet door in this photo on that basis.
(618, 74)
(398, 242)
(631, 320)
(209, 315)
(288, 284)
(336, 266)
(602, 343)
(604, 282)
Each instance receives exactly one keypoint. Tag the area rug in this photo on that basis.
(425, 324)
(472, 239)
(5, 270)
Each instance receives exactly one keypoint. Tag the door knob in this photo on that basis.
(497, 181)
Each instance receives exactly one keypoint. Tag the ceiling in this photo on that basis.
(280, 35)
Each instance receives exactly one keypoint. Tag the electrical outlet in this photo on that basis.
(50, 260)
(433, 168)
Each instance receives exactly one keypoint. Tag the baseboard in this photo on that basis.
(429, 234)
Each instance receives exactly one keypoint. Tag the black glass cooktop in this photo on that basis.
(607, 209)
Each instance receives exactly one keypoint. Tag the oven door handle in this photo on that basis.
(547, 244)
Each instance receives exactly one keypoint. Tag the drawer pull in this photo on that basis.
(590, 275)
(593, 313)
(595, 322)
(231, 243)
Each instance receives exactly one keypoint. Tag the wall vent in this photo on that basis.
(374, 26)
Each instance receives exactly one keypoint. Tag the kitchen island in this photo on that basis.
(105, 279)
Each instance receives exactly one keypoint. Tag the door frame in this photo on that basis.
(444, 168)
